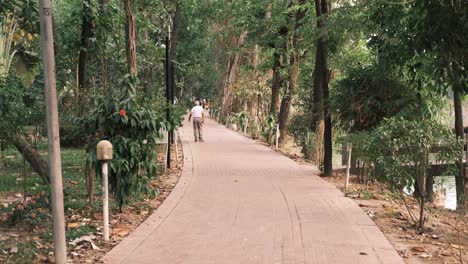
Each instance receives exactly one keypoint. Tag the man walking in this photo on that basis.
(198, 120)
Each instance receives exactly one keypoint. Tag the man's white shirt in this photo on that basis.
(197, 111)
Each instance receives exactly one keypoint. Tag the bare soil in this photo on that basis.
(444, 238)
(32, 243)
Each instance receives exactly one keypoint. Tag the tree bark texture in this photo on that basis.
(230, 75)
(287, 101)
(104, 66)
(322, 118)
(175, 41)
(37, 162)
(278, 82)
(86, 35)
(130, 34)
(460, 179)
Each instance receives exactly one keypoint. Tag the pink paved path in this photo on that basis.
(240, 202)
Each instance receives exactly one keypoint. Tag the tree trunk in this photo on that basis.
(104, 67)
(277, 83)
(328, 140)
(90, 175)
(175, 40)
(130, 35)
(86, 35)
(1, 154)
(232, 69)
(287, 101)
(459, 177)
(322, 118)
(37, 162)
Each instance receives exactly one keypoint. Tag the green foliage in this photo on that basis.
(11, 105)
(269, 128)
(401, 150)
(400, 153)
(34, 211)
(133, 131)
(299, 126)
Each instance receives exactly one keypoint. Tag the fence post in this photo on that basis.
(276, 136)
(349, 149)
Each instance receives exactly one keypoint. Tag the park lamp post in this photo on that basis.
(104, 154)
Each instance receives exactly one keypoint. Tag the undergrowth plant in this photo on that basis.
(401, 152)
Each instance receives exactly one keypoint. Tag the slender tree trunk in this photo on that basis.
(232, 70)
(459, 178)
(90, 176)
(175, 41)
(277, 83)
(86, 35)
(322, 118)
(287, 101)
(175, 29)
(37, 162)
(130, 34)
(1, 154)
(104, 64)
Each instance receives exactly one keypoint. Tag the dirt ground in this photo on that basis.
(443, 240)
(34, 246)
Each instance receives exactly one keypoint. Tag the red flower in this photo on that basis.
(123, 112)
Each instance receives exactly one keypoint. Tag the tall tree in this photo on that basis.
(231, 72)
(322, 118)
(130, 36)
(294, 64)
(86, 35)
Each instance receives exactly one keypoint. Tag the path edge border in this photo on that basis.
(121, 251)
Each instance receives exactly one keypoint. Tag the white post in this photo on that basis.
(349, 149)
(104, 154)
(176, 148)
(105, 199)
(276, 136)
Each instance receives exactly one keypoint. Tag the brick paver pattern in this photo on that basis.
(240, 202)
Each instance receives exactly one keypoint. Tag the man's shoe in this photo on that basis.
(196, 140)
(201, 140)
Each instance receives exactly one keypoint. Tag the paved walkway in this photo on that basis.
(240, 202)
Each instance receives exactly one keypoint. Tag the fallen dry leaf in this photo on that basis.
(73, 225)
(73, 182)
(97, 216)
(119, 230)
(418, 249)
(83, 239)
(94, 246)
(13, 250)
(455, 246)
(425, 255)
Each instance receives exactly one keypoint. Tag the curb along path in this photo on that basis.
(240, 202)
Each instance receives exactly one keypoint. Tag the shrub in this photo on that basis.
(401, 152)
(133, 130)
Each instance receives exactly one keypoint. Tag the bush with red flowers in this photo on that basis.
(133, 130)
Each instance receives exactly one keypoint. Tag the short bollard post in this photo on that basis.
(277, 136)
(349, 149)
(104, 153)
